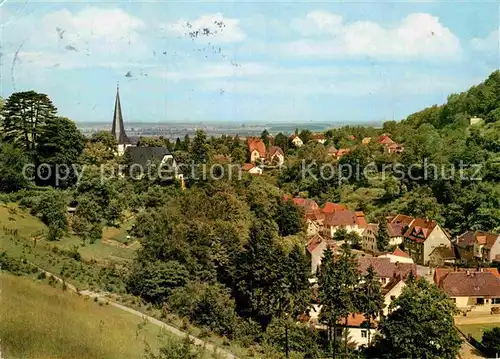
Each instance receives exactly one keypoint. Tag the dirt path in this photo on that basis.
(208, 346)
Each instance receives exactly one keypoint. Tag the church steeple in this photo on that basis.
(118, 129)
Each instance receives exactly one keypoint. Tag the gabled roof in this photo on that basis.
(258, 145)
(330, 207)
(468, 283)
(273, 150)
(316, 240)
(355, 320)
(146, 155)
(400, 253)
(342, 152)
(469, 238)
(345, 218)
(385, 140)
(248, 166)
(402, 219)
(306, 204)
(487, 239)
(420, 229)
(318, 136)
(384, 268)
(314, 215)
(443, 252)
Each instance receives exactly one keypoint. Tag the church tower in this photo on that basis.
(118, 129)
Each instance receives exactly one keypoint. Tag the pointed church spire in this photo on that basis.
(118, 129)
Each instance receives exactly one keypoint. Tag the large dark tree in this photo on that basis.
(420, 324)
(289, 218)
(24, 114)
(491, 341)
(382, 236)
(60, 144)
(14, 174)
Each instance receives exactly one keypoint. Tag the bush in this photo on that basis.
(154, 281)
(206, 304)
(13, 265)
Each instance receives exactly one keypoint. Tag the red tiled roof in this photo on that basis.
(385, 268)
(314, 215)
(275, 150)
(248, 166)
(402, 219)
(330, 207)
(318, 136)
(316, 240)
(469, 283)
(343, 151)
(354, 320)
(257, 144)
(420, 229)
(398, 252)
(345, 218)
(385, 140)
(306, 204)
(469, 238)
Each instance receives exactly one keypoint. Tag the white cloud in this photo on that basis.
(103, 29)
(210, 26)
(318, 23)
(490, 43)
(418, 36)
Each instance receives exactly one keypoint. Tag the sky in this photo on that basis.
(241, 62)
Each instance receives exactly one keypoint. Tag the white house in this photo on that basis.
(297, 142)
(472, 290)
(422, 237)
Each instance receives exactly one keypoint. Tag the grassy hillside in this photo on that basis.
(39, 321)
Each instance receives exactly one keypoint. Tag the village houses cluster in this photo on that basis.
(428, 250)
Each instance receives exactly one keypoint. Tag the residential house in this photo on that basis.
(464, 245)
(487, 246)
(257, 149)
(319, 137)
(275, 156)
(395, 229)
(316, 247)
(479, 245)
(314, 221)
(357, 330)
(349, 220)
(397, 256)
(441, 256)
(421, 237)
(472, 290)
(332, 151)
(386, 270)
(390, 145)
(391, 291)
(366, 140)
(342, 152)
(252, 169)
(297, 142)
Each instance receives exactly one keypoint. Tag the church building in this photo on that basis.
(118, 129)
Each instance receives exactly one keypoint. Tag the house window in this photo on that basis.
(495, 301)
(479, 301)
(364, 334)
(338, 332)
(393, 297)
(454, 300)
